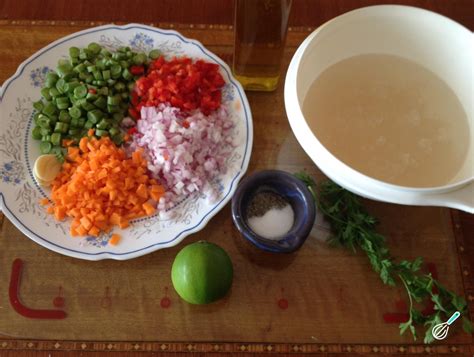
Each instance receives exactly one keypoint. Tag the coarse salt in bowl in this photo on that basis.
(291, 189)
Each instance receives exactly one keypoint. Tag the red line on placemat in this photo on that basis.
(15, 299)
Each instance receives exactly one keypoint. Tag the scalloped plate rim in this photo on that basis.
(184, 233)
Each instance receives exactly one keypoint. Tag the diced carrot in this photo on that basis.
(155, 195)
(86, 223)
(158, 188)
(67, 142)
(94, 165)
(83, 144)
(143, 179)
(91, 146)
(114, 239)
(134, 199)
(90, 132)
(114, 218)
(142, 191)
(102, 174)
(137, 157)
(94, 231)
(149, 209)
(99, 187)
(124, 224)
(59, 213)
(113, 195)
(44, 201)
(81, 230)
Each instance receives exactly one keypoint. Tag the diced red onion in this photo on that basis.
(184, 152)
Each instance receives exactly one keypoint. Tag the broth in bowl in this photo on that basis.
(389, 118)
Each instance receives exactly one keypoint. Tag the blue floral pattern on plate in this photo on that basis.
(38, 76)
(20, 193)
(141, 42)
(12, 172)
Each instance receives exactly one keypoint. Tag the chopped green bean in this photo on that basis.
(91, 96)
(106, 75)
(45, 147)
(36, 133)
(113, 100)
(64, 117)
(88, 125)
(80, 91)
(90, 89)
(49, 109)
(75, 112)
(94, 48)
(74, 52)
(87, 106)
(103, 124)
(117, 139)
(101, 102)
(117, 117)
(72, 86)
(52, 77)
(61, 127)
(64, 68)
(36, 117)
(118, 56)
(95, 115)
(56, 139)
(139, 59)
(62, 103)
(45, 93)
(53, 92)
(115, 71)
(104, 52)
(83, 54)
(101, 133)
(114, 131)
(45, 131)
(38, 105)
(154, 54)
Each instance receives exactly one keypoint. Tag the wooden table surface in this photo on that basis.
(307, 13)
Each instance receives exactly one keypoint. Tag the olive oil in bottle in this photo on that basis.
(260, 33)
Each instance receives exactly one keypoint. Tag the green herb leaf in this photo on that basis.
(354, 228)
(467, 325)
(404, 326)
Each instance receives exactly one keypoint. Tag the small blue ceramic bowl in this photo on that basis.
(289, 188)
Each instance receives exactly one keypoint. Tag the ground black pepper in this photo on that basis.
(264, 201)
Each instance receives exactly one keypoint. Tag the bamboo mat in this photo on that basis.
(317, 300)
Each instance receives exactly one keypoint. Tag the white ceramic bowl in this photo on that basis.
(434, 41)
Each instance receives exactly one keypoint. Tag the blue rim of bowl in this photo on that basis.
(298, 233)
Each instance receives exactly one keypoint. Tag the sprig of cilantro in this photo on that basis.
(353, 227)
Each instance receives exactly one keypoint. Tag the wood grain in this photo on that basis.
(304, 12)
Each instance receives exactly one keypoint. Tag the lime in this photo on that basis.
(202, 273)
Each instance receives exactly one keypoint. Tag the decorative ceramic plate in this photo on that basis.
(20, 193)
